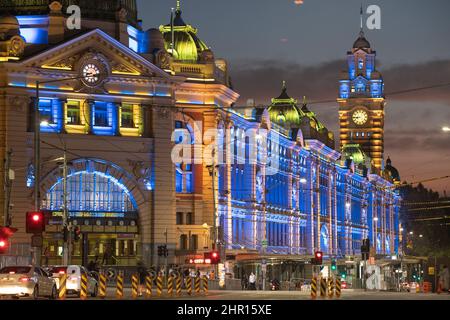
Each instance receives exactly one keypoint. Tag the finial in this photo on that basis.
(284, 85)
(361, 32)
(178, 6)
(304, 100)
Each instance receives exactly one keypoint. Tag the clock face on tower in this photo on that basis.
(360, 117)
(91, 74)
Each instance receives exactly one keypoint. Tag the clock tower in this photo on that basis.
(361, 102)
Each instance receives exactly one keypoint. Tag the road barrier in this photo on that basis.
(159, 285)
(330, 288)
(119, 288)
(134, 286)
(323, 287)
(189, 285)
(178, 286)
(197, 285)
(170, 285)
(314, 288)
(102, 289)
(148, 286)
(62, 287)
(83, 287)
(205, 284)
(338, 287)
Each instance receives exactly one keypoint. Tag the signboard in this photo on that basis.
(199, 261)
(111, 274)
(37, 241)
(431, 271)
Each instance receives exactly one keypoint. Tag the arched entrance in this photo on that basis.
(101, 200)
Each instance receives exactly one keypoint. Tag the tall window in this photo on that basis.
(73, 113)
(45, 111)
(179, 218)
(184, 182)
(126, 116)
(101, 114)
(189, 218)
(183, 242)
(193, 244)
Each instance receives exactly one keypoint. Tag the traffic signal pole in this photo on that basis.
(37, 167)
(66, 247)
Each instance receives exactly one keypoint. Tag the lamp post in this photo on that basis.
(37, 161)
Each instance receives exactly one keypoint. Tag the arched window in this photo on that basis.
(184, 182)
(90, 192)
(324, 239)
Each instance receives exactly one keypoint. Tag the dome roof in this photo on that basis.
(391, 171)
(284, 112)
(187, 46)
(9, 25)
(361, 42)
(99, 9)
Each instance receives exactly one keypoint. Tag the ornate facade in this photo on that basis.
(119, 99)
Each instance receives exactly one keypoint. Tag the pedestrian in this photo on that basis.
(46, 255)
(142, 273)
(252, 281)
(444, 279)
(198, 274)
(244, 282)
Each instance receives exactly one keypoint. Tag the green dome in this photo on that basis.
(187, 46)
(284, 112)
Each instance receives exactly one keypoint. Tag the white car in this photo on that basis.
(27, 281)
(73, 284)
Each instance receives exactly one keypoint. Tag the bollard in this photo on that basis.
(83, 287)
(314, 288)
(330, 288)
(62, 287)
(205, 284)
(119, 288)
(197, 285)
(189, 285)
(338, 287)
(159, 285)
(102, 289)
(148, 286)
(170, 286)
(178, 286)
(323, 287)
(134, 286)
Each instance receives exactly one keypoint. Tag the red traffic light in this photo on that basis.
(35, 222)
(3, 245)
(318, 254)
(214, 255)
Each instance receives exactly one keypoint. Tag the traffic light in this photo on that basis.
(160, 251)
(318, 255)
(35, 222)
(76, 233)
(212, 257)
(365, 249)
(4, 245)
(333, 265)
(166, 251)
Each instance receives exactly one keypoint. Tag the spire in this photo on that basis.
(284, 95)
(305, 104)
(178, 6)
(361, 13)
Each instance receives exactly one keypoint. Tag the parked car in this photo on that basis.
(73, 284)
(27, 281)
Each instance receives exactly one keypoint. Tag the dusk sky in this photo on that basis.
(267, 41)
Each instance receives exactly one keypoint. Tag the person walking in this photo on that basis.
(252, 281)
(444, 279)
(142, 272)
(244, 282)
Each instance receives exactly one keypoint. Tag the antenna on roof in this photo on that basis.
(361, 13)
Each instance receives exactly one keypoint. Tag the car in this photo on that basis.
(27, 281)
(74, 273)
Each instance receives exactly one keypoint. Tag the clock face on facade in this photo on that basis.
(91, 74)
(360, 117)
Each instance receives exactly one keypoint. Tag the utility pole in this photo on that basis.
(212, 173)
(37, 167)
(66, 225)
(9, 177)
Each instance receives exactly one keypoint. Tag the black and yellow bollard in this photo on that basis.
(330, 288)
(62, 287)
(323, 287)
(314, 288)
(178, 286)
(148, 286)
(83, 287)
(170, 285)
(102, 288)
(159, 285)
(134, 286)
(205, 284)
(197, 284)
(338, 287)
(119, 287)
(189, 285)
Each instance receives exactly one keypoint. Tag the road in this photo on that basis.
(280, 295)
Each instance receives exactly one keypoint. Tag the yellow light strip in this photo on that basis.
(127, 73)
(8, 58)
(56, 68)
(199, 79)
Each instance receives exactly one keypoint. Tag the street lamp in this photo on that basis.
(411, 233)
(375, 219)
(446, 129)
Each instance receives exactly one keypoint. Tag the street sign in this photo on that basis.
(37, 241)
(111, 274)
(431, 271)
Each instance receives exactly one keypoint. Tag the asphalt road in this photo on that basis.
(278, 295)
